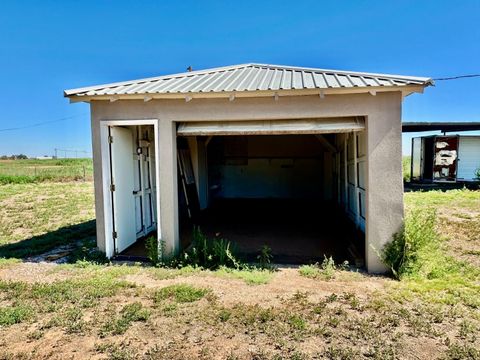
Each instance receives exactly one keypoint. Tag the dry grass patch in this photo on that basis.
(37, 217)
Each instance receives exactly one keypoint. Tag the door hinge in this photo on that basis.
(110, 139)
(112, 187)
(114, 234)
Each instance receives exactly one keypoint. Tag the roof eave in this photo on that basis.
(405, 90)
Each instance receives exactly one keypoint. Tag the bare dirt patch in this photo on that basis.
(285, 283)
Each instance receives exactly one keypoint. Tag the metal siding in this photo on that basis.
(468, 157)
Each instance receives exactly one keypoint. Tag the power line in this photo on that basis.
(42, 123)
(457, 77)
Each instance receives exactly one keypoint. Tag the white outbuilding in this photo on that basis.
(307, 161)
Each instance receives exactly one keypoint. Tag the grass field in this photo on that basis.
(406, 167)
(88, 310)
(33, 171)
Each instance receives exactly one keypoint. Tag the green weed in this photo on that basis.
(462, 351)
(130, 313)
(209, 253)
(10, 315)
(297, 322)
(204, 252)
(415, 250)
(265, 258)
(180, 293)
(326, 270)
(341, 353)
(151, 247)
(224, 315)
(310, 271)
(251, 276)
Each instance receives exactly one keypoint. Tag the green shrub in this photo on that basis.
(415, 249)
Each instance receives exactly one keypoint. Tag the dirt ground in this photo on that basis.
(50, 310)
(290, 317)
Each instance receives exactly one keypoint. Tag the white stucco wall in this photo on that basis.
(384, 164)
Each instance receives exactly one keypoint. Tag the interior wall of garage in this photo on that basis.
(384, 196)
(275, 166)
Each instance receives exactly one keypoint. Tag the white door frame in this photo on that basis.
(106, 177)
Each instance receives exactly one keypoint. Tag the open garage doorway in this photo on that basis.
(297, 192)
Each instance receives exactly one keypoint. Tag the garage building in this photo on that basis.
(306, 161)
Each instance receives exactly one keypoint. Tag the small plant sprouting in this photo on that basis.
(265, 258)
(477, 174)
(325, 270)
(130, 313)
(151, 247)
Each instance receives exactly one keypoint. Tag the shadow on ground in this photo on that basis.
(73, 237)
(422, 187)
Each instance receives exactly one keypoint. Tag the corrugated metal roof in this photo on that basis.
(250, 77)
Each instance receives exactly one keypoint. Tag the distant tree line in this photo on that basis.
(14, 157)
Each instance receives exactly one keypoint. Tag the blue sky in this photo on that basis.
(48, 46)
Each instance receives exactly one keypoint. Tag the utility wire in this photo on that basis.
(42, 123)
(457, 77)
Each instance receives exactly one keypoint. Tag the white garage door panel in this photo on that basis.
(469, 157)
(271, 127)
